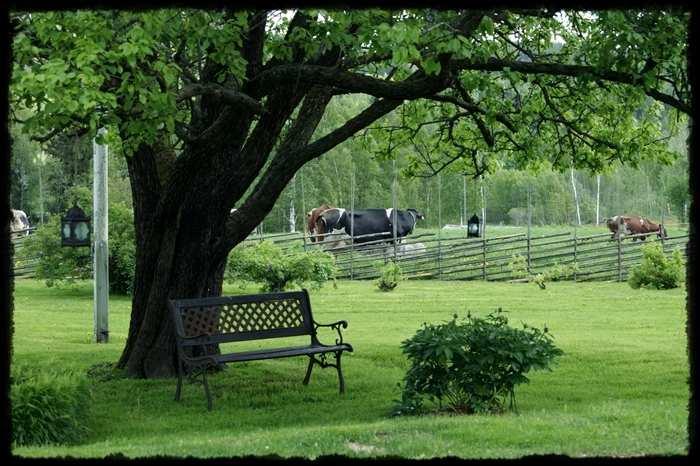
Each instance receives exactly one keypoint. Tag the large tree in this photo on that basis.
(219, 109)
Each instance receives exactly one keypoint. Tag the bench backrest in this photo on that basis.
(240, 318)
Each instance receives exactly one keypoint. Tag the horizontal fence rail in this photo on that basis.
(428, 255)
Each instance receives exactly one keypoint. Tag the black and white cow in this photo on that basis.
(375, 223)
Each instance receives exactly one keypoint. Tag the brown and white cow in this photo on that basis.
(634, 225)
(312, 217)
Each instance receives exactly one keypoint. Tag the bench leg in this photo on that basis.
(178, 391)
(308, 371)
(206, 389)
(340, 372)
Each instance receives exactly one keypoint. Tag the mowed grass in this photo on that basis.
(620, 389)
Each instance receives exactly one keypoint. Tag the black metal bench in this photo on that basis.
(202, 324)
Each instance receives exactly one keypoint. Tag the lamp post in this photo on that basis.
(473, 227)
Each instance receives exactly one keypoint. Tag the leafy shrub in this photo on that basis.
(59, 265)
(279, 270)
(122, 249)
(389, 276)
(657, 271)
(518, 267)
(472, 366)
(48, 407)
(557, 272)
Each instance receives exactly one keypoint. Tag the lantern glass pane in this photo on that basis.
(66, 230)
(81, 231)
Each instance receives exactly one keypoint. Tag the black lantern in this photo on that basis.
(473, 227)
(75, 228)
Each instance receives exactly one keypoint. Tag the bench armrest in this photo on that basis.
(336, 326)
(206, 356)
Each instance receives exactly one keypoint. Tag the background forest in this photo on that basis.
(52, 179)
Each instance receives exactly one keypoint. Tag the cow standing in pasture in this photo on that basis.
(369, 224)
(312, 218)
(19, 223)
(634, 225)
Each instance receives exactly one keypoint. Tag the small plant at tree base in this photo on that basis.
(471, 366)
(389, 276)
(657, 271)
(279, 270)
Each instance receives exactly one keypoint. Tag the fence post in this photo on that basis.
(483, 258)
(620, 227)
(529, 226)
(662, 230)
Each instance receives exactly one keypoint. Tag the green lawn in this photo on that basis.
(621, 388)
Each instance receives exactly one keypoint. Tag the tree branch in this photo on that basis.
(558, 69)
(228, 96)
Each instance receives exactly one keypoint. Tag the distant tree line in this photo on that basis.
(652, 189)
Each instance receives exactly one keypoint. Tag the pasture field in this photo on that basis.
(619, 390)
(493, 231)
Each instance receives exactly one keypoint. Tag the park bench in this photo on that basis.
(202, 324)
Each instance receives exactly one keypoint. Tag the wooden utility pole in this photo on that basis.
(100, 241)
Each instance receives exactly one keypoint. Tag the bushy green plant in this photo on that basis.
(518, 267)
(278, 270)
(59, 265)
(389, 276)
(657, 270)
(471, 366)
(122, 249)
(48, 407)
(555, 273)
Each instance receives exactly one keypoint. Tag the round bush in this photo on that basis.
(657, 271)
(471, 366)
(278, 270)
(389, 276)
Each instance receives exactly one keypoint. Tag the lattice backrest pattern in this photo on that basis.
(280, 314)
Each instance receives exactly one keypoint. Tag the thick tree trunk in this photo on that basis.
(182, 267)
